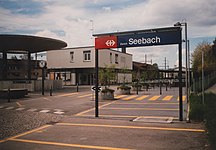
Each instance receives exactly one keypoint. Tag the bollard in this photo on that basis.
(8, 95)
(160, 89)
(77, 87)
(51, 91)
(166, 87)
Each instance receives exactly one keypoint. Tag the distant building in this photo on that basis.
(77, 65)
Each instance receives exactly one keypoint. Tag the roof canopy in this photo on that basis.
(26, 43)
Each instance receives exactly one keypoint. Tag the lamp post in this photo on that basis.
(186, 53)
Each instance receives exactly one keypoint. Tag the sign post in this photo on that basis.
(96, 84)
(151, 37)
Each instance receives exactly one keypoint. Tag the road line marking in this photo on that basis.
(69, 145)
(120, 96)
(81, 113)
(142, 97)
(18, 104)
(130, 97)
(183, 98)
(44, 111)
(86, 95)
(132, 127)
(106, 104)
(154, 98)
(20, 108)
(9, 108)
(47, 99)
(68, 94)
(32, 109)
(161, 109)
(167, 98)
(120, 116)
(28, 132)
(120, 103)
(59, 112)
(1, 107)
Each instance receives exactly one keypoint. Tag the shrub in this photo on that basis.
(207, 112)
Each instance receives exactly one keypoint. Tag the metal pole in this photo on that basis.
(188, 102)
(43, 76)
(186, 62)
(203, 77)
(189, 79)
(77, 88)
(96, 84)
(180, 84)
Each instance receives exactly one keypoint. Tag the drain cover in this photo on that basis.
(154, 120)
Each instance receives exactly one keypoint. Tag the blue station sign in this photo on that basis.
(149, 39)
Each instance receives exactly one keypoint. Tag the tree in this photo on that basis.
(106, 75)
(209, 58)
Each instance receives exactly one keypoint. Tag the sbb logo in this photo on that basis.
(110, 42)
(106, 42)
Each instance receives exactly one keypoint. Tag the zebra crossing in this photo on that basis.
(149, 97)
(130, 97)
(47, 110)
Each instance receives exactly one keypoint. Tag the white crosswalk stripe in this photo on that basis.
(59, 112)
(9, 108)
(32, 109)
(45, 111)
(20, 108)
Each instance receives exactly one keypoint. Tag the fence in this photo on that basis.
(209, 80)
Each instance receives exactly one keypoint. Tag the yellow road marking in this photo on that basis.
(25, 133)
(130, 97)
(120, 96)
(167, 98)
(68, 94)
(154, 98)
(183, 98)
(18, 104)
(83, 112)
(142, 97)
(85, 95)
(132, 127)
(170, 109)
(69, 145)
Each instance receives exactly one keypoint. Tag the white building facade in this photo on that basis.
(77, 65)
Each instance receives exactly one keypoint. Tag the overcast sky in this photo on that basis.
(74, 21)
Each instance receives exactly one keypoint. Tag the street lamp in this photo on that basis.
(179, 24)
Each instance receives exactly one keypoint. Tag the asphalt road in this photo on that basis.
(66, 121)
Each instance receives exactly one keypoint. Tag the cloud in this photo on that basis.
(70, 21)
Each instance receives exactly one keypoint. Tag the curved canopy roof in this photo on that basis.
(27, 43)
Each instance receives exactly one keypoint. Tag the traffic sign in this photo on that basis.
(93, 88)
(149, 39)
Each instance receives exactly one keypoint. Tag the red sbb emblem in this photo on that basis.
(106, 42)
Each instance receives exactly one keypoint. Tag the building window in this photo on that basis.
(110, 57)
(71, 57)
(87, 55)
(116, 58)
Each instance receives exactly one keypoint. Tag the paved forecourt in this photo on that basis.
(84, 133)
(147, 104)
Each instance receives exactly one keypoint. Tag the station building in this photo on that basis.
(77, 65)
